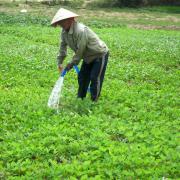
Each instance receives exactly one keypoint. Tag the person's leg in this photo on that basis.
(97, 76)
(103, 71)
(83, 79)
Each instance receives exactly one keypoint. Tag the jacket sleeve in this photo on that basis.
(81, 46)
(62, 51)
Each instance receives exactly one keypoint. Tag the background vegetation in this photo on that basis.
(134, 3)
(131, 133)
(105, 3)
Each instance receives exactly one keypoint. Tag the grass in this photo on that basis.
(164, 9)
(131, 133)
(160, 17)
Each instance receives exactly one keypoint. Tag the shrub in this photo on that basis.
(73, 3)
(133, 3)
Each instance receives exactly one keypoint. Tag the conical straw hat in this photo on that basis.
(62, 14)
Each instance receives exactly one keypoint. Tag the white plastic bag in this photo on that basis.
(53, 101)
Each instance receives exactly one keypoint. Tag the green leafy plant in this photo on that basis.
(131, 133)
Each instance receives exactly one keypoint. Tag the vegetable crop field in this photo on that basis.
(132, 132)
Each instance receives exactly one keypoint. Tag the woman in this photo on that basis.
(87, 46)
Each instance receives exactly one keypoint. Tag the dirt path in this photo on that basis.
(86, 2)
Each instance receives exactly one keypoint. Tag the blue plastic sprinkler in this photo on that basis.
(76, 69)
(63, 73)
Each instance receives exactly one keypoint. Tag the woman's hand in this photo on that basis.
(69, 66)
(60, 68)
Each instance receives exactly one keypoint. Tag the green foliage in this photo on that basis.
(131, 133)
(72, 3)
(164, 9)
(104, 3)
(133, 3)
(23, 19)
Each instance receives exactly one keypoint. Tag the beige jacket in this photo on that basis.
(83, 41)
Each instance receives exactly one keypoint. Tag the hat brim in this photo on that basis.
(54, 22)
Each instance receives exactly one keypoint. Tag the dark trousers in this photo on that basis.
(92, 74)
